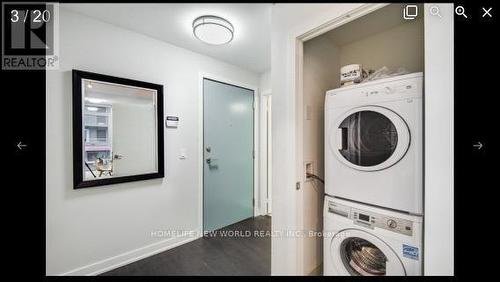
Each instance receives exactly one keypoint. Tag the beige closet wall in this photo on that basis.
(321, 73)
(400, 46)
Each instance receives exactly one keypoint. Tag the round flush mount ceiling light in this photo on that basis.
(213, 30)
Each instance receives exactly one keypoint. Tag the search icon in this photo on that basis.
(460, 11)
(434, 10)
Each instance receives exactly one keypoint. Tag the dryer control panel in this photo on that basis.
(371, 220)
(408, 88)
(404, 87)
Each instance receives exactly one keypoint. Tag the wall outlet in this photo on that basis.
(308, 169)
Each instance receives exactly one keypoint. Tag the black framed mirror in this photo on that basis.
(117, 130)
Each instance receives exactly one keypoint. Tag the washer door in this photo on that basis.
(369, 138)
(359, 253)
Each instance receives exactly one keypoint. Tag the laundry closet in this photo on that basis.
(381, 42)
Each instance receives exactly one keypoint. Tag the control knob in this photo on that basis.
(391, 223)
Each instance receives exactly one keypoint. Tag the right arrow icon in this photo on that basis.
(478, 145)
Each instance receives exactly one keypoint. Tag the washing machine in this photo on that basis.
(374, 143)
(362, 240)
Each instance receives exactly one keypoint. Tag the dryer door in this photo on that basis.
(369, 138)
(359, 253)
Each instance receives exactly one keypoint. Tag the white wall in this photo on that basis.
(439, 151)
(94, 229)
(265, 82)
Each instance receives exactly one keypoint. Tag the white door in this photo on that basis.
(369, 138)
(359, 253)
(134, 153)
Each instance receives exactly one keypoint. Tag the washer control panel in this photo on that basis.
(372, 220)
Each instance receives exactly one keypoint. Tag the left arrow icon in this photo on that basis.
(20, 145)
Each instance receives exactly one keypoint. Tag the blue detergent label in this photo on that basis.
(410, 252)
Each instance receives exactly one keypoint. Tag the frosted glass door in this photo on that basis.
(228, 154)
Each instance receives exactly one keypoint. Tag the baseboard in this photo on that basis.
(129, 257)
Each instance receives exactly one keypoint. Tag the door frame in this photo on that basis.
(256, 136)
(265, 152)
(439, 173)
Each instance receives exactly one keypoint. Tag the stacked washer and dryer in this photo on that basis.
(373, 178)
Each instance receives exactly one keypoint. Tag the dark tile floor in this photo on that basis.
(219, 255)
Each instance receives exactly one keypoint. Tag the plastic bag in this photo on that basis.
(384, 72)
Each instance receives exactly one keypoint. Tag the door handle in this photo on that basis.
(118, 157)
(342, 138)
(209, 160)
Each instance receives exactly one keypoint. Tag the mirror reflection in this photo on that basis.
(119, 130)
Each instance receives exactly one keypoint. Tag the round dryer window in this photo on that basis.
(370, 138)
(359, 253)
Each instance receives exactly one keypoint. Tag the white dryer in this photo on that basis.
(373, 143)
(368, 241)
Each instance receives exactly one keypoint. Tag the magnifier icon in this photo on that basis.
(434, 10)
(460, 11)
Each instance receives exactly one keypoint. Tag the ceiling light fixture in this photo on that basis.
(213, 30)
